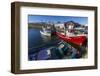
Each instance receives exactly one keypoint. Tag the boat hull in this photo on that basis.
(45, 33)
(78, 40)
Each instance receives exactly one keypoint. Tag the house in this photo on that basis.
(70, 24)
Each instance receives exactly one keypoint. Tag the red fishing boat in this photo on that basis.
(78, 40)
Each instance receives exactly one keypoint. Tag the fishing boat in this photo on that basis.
(45, 31)
(78, 40)
(70, 36)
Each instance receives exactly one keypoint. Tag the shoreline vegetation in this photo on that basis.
(35, 25)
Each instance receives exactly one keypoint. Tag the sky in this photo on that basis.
(55, 19)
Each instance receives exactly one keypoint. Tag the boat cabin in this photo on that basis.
(60, 27)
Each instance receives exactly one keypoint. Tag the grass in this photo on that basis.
(38, 26)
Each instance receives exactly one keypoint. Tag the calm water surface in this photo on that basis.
(36, 41)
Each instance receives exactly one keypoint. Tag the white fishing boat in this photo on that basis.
(45, 31)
